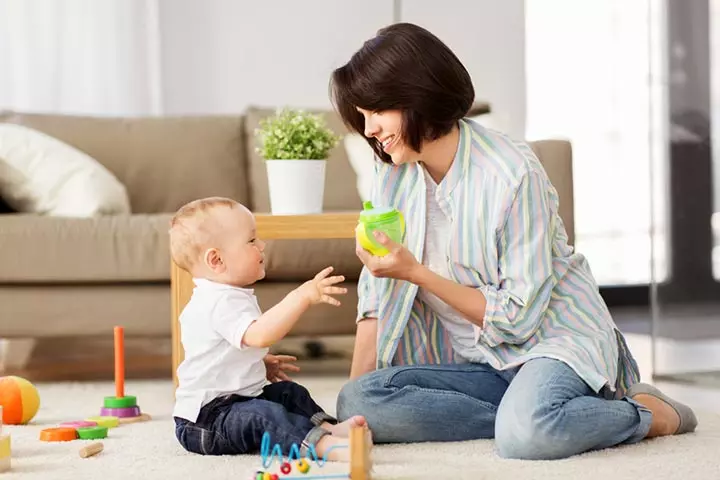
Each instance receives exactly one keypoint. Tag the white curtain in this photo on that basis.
(96, 57)
(591, 79)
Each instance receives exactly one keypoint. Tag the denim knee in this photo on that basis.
(350, 400)
(524, 433)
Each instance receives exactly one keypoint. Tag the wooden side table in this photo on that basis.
(269, 227)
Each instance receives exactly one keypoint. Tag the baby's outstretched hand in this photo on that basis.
(276, 367)
(321, 288)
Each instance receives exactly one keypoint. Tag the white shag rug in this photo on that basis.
(149, 450)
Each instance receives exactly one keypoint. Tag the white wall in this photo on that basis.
(220, 56)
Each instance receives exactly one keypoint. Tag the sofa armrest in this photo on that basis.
(556, 157)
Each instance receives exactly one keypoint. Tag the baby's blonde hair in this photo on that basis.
(190, 231)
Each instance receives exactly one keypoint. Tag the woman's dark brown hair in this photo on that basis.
(404, 67)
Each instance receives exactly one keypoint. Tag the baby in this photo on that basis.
(225, 400)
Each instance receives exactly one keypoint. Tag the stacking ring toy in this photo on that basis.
(120, 402)
(120, 412)
(120, 405)
(58, 434)
(78, 424)
(108, 422)
(92, 433)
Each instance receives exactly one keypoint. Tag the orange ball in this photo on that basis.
(19, 400)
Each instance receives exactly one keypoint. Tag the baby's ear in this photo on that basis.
(212, 259)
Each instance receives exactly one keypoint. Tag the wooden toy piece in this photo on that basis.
(285, 468)
(143, 417)
(119, 362)
(5, 452)
(58, 434)
(92, 449)
(360, 462)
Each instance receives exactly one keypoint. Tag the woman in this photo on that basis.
(485, 323)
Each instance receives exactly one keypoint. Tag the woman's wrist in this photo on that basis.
(420, 275)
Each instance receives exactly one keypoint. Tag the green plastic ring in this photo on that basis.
(92, 433)
(120, 402)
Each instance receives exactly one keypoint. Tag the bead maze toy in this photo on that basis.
(360, 462)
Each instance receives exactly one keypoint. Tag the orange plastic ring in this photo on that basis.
(59, 434)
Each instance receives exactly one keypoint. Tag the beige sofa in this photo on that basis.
(81, 276)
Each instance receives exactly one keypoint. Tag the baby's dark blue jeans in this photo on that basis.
(235, 424)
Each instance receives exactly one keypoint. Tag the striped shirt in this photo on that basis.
(507, 240)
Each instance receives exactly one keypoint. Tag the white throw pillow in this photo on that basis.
(362, 160)
(41, 174)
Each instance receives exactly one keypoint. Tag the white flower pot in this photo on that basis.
(296, 187)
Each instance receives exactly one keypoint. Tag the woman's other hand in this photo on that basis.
(399, 264)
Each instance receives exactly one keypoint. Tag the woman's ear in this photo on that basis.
(213, 260)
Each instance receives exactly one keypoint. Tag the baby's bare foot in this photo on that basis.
(342, 429)
(334, 449)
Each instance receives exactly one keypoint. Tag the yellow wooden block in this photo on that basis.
(4, 445)
(5, 457)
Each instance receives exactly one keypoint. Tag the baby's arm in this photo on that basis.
(274, 324)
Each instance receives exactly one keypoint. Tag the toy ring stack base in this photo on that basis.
(122, 408)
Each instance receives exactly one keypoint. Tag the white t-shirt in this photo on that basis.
(435, 258)
(216, 362)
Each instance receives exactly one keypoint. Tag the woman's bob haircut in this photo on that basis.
(406, 68)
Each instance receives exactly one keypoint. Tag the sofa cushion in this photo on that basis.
(300, 260)
(41, 174)
(118, 248)
(340, 190)
(163, 162)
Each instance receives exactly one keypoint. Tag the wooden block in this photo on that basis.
(92, 449)
(4, 464)
(5, 452)
(143, 417)
(360, 445)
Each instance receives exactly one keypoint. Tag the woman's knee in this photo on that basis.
(352, 400)
(524, 432)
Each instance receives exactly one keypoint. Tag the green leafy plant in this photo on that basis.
(295, 135)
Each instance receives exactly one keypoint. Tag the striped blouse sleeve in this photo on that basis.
(368, 288)
(516, 306)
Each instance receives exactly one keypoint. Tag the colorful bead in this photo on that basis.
(285, 468)
(259, 476)
(267, 476)
(303, 466)
(274, 476)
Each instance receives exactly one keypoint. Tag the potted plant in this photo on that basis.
(295, 145)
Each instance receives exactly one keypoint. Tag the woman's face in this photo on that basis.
(386, 127)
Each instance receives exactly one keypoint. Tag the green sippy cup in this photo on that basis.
(388, 220)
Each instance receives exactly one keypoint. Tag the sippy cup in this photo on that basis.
(388, 220)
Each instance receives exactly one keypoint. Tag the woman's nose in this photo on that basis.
(371, 129)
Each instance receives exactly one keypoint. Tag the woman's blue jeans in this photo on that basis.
(541, 410)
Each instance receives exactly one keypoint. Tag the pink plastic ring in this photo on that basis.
(79, 424)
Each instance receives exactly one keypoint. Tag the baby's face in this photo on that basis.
(242, 256)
